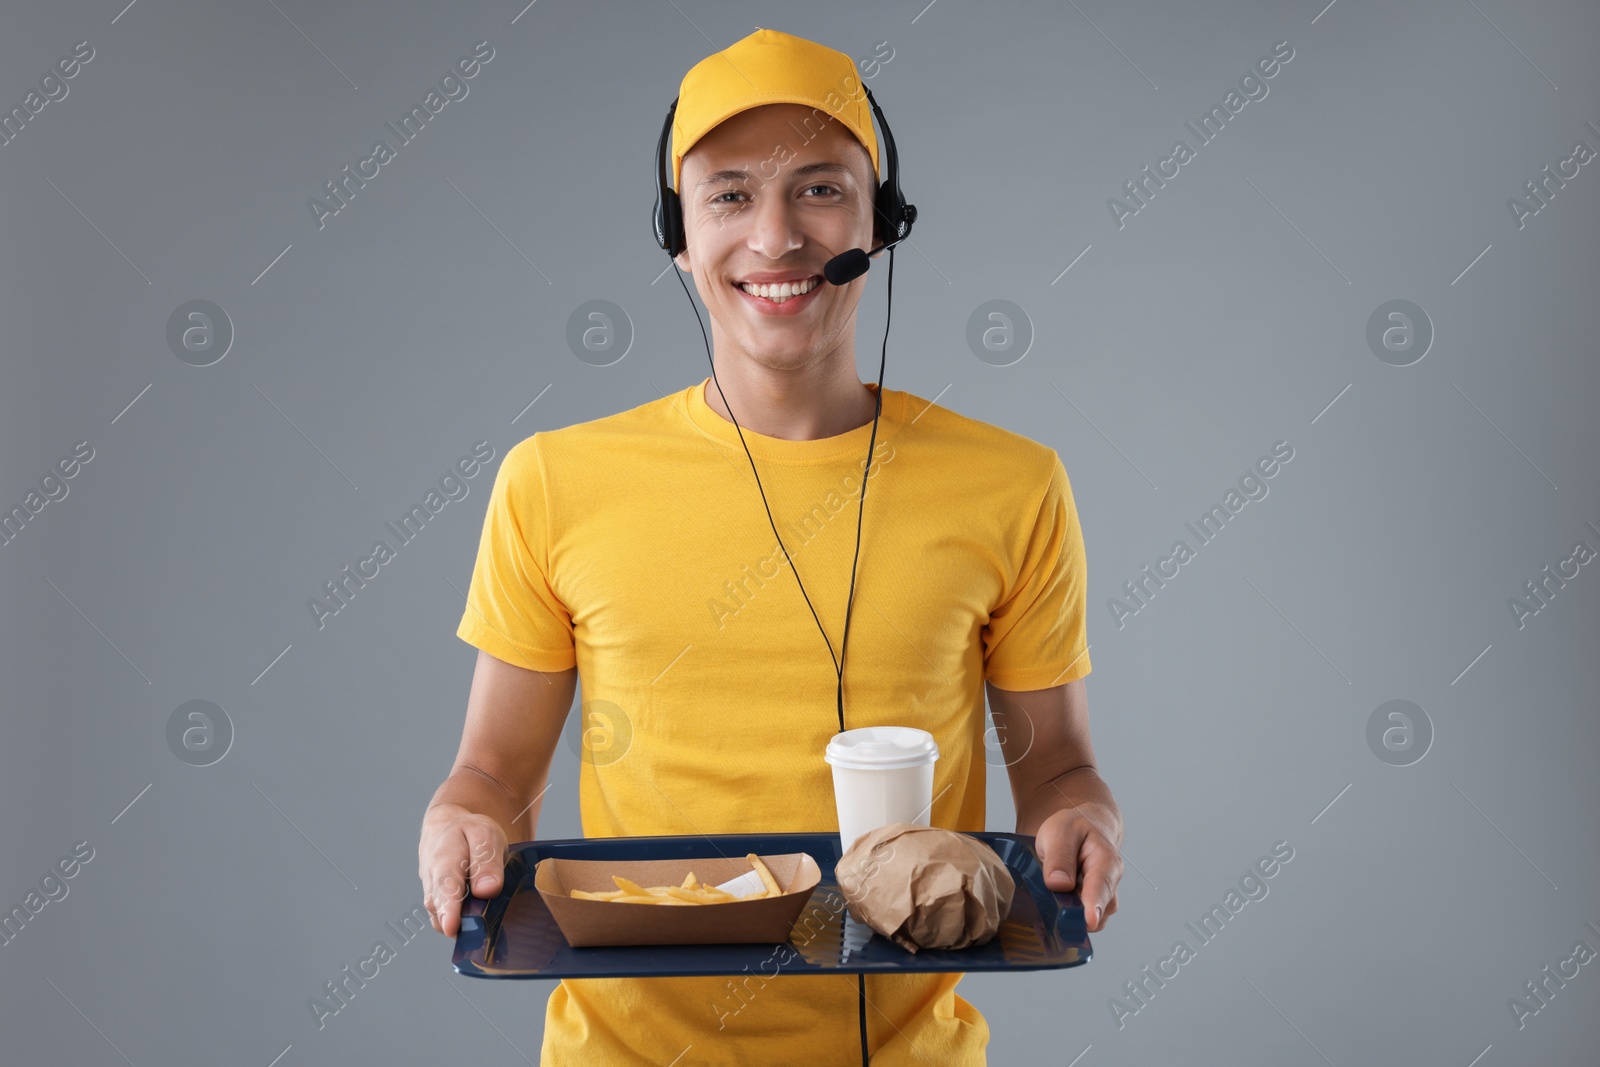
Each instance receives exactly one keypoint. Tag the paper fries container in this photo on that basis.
(608, 922)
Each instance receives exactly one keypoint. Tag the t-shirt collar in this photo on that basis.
(778, 449)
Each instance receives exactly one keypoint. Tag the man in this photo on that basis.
(632, 550)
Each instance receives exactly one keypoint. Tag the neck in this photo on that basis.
(794, 405)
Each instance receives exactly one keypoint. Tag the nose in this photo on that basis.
(773, 232)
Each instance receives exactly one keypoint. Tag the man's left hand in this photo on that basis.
(1076, 854)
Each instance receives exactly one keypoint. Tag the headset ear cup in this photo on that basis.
(886, 215)
(671, 223)
(667, 217)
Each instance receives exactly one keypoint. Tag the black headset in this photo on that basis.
(892, 216)
(891, 224)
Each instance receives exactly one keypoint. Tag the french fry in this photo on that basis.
(691, 891)
(766, 875)
(700, 895)
(678, 892)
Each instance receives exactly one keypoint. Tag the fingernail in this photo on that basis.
(1058, 873)
(1097, 913)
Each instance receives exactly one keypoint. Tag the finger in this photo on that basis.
(1059, 842)
(429, 901)
(486, 858)
(1101, 869)
(435, 910)
(427, 898)
(447, 880)
(444, 907)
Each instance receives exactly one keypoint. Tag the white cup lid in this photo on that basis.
(873, 748)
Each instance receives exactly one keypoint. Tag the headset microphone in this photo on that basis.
(851, 264)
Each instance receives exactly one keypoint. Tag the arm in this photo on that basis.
(1059, 795)
(494, 791)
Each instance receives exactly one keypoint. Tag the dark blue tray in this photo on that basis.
(514, 935)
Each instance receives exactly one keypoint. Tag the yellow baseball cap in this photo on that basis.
(770, 67)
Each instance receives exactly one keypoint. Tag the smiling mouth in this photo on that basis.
(781, 293)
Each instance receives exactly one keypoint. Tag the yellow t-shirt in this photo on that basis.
(636, 546)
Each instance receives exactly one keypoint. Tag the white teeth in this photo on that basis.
(781, 292)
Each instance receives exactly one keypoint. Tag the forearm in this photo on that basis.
(1081, 789)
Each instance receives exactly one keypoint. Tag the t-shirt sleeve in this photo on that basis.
(1037, 637)
(512, 611)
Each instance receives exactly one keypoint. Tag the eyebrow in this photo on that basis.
(722, 176)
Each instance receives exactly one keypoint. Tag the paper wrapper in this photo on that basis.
(924, 887)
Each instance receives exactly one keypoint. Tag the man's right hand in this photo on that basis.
(459, 851)
(514, 719)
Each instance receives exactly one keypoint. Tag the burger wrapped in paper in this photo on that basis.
(924, 887)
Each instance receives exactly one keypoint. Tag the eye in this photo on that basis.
(718, 198)
(829, 188)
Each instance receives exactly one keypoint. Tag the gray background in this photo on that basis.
(1228, 314)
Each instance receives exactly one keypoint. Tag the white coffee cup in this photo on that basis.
(881, 775)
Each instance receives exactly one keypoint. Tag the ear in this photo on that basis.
(683, 262)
